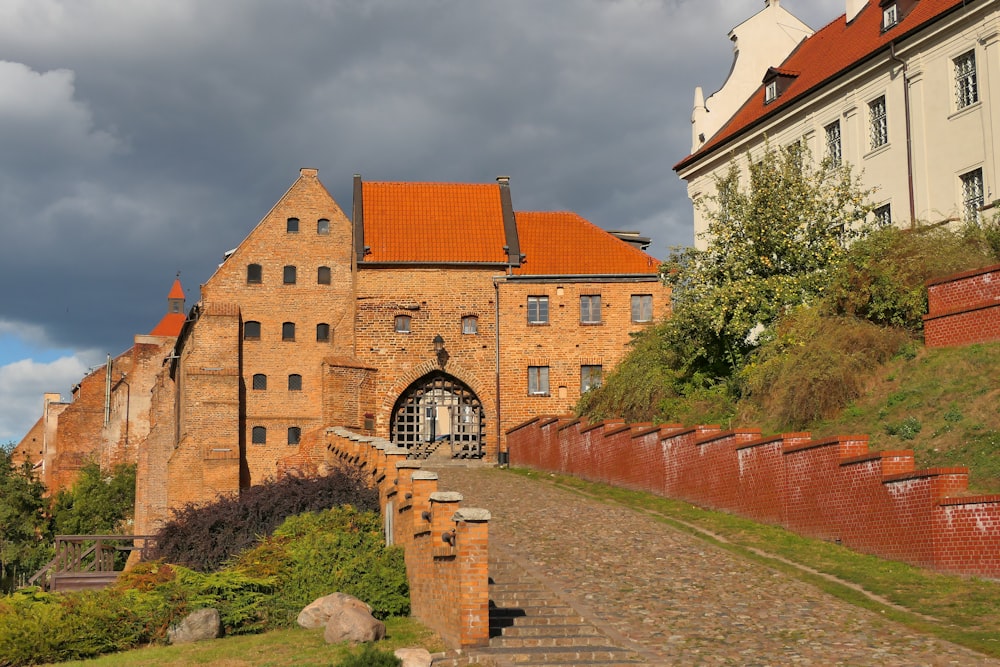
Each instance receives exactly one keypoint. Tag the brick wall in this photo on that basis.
(445, 544)
(832, 489)
(963, 308)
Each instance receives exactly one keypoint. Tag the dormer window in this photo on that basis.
(894, 11)
(890, 16)
(776, 81)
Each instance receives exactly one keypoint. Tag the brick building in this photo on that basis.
(434, 316)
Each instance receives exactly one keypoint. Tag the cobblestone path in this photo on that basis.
(674, 599)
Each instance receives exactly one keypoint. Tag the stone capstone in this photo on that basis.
(196, 626)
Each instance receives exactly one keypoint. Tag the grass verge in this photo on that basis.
(963, 610)
(294, 646)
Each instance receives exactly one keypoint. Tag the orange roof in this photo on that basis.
(170, 325)
(563, 243)
(832, 50)
(176, 291)
(433, 222)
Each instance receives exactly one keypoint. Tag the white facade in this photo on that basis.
(941, 90)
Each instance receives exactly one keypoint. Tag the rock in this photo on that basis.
(352, 624)
(318, 612)
(196, 626)
(414, 657)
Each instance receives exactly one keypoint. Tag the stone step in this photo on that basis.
(566, 655)
(523, 599)
(549, 641)
(555, 609)
(527, 621)
(573, 630)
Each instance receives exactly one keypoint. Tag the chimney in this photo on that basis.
(854, 8)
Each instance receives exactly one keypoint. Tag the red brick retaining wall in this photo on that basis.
(832, 489)
(963, 308)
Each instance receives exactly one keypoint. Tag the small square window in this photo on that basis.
(259, 382)
(292, 226)
(322, 333)
(254, 274)
(289, 275)
(294, 435)
(590, 309)
(402, 324)
(538, 310)
(258, 435)
(890, 17)
(642, 307)
(294, 382)
(323, 275)
(538, 380)
(590, 377)
(288, 331)
(322, 226)
(251, 330)
(470, 324)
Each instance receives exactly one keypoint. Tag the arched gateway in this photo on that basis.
(439, 409)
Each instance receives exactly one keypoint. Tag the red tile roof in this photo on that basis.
(433, 222)
(176, 291)
(832, 50)
(563, 243)
(170, 325)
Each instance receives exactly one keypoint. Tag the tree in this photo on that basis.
(97, 503)
(25, 528)
(772, 245)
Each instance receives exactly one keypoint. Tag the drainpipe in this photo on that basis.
(909, 141)
(107, 392)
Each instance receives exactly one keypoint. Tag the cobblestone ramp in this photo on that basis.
(582, 582)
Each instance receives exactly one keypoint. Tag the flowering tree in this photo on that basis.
(771, 245)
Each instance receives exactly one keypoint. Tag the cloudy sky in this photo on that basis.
(143, 138)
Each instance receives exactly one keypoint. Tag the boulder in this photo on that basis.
(196, 626)
(352, 624)
(414, 657)
(319, 611)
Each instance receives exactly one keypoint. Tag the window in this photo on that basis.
(294, 435)
(289, 274)
(294, 382)
(878, 125)
(770, 92)
(323, 275)
(292, 226)
(883, 215)
(403, 324)
(833, 146)
(322, 333)
(323, 226)
(972, 195)
(258, 435)
(590, 377)
(470, 324)
(538, 310)
(642, 307)
(288, 331)
(890, 17)
(255, 274)
(590, 309)
(259, 382)
(538, 380)
(966, 86)
(251, 330)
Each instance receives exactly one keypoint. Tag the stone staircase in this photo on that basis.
(531, 626)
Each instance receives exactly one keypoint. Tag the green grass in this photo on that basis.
(963, 610)
(294, 646)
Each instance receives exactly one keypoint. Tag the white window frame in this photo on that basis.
(538, 380)
(973, 195)
(966, 80)
(834, 142)
(591, 376)
(641, 308)
(770, 91)
(536, 303)
(890, 16)
(878, 123)
(590, 309)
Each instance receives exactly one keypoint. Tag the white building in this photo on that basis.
(907, 91)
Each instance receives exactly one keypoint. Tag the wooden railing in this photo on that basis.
(88, 561)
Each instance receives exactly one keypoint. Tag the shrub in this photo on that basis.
(369, 656)
(204, 537)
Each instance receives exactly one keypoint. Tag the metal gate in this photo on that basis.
(439, 409)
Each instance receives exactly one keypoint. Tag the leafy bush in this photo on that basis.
(97, 503)
(25, 530)
(204, 537)
(369, 656)
(318, 553)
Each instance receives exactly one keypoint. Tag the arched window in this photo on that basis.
(323, 275)
(292, 226)
(402, 324)
(258, 435)
(251, 330)
(288, 331)
(289, 274)
(255, 274)
(322, 226)
(294, 435)
(322, 333)
(259, 382)
(294, 382)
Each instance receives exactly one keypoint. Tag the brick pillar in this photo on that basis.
(424, 484)
(443, 505)
(472, 558)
